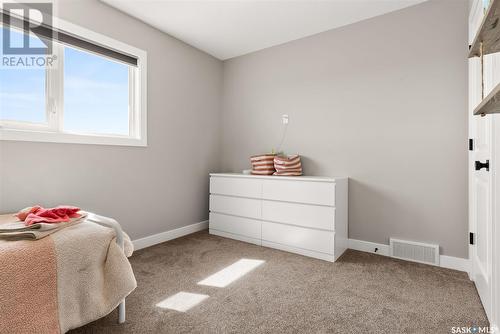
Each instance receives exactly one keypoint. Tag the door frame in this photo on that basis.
(495, 209)
(491, 77)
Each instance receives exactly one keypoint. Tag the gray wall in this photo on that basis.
(382, 101)
(149, 190)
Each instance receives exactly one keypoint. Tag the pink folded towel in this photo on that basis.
(37, 214)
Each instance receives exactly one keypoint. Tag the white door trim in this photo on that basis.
(483, 186)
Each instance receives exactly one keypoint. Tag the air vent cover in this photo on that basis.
(414, 251)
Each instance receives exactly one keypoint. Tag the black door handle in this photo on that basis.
(480, 165)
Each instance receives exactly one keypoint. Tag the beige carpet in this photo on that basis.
(360, 293)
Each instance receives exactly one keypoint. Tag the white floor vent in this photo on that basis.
(414, 251)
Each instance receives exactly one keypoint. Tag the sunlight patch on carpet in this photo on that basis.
(231, 273)
(182, 301)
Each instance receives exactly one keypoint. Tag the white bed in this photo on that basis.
(75, 275)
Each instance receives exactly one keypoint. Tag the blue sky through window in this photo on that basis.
(96, 94)
(22, 91)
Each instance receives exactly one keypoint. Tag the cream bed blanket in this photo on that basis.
(64, 280)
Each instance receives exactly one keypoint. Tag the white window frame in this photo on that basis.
(52, 131)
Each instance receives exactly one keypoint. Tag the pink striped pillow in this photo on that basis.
(288, 166)
(281, 167)
(262, 157)
(286, 161)
(263, 164)
(263, 172)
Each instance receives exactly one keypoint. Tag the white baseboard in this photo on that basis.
(456, 263)
(367, 246)
(169, 235)
(445, 261)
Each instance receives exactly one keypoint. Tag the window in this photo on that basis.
(83, 92)
(96, 94)
(22, 92)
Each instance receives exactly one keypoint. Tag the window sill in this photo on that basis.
(69, 138)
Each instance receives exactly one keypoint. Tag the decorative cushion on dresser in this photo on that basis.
(305, 215)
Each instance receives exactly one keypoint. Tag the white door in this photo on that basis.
(480, 176)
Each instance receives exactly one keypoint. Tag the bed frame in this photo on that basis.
(110, 222)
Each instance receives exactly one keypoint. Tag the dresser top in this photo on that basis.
(273, 177)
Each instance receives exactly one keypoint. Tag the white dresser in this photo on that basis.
(304, 215)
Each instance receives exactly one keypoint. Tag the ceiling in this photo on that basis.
(226, 29)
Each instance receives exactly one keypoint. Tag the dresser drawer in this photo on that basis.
(244, 207)
(299, 237)
(311, 216)
(236, 225)
(236, 187)
(321, 193)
